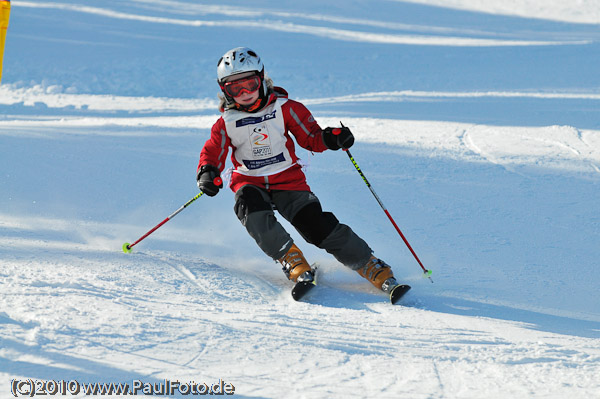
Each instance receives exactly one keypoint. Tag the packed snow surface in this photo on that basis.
(477, 124)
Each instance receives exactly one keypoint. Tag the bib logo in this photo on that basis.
(253, 120)
(260, 141)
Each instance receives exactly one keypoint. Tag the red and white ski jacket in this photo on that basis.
(263, 153)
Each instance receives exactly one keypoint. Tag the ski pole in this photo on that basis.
(426, 273)
(127, 246)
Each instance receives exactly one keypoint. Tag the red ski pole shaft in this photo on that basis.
(127, 246)
(426, 272)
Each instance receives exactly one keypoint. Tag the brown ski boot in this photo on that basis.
(379, 274)
(295, 266)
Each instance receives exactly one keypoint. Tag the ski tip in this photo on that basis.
(300, 289)
(126, 248)
(398, 292)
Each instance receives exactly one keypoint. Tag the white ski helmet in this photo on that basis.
(239, 60)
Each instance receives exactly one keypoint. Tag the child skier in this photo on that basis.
(256, 121)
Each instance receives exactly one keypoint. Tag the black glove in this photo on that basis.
(209, 180)
(338, 137)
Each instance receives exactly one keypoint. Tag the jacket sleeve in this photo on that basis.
(300, 122)
(216, 147)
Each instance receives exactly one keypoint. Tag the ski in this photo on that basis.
(300, 289)
(398, 292)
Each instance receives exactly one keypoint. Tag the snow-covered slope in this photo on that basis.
(581, 11)
(478, 130)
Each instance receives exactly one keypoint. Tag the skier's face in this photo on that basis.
(247, 98)
(244, 88)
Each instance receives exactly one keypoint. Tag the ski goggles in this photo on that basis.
(237, 87)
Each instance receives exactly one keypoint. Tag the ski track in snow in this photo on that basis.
(166, 315)
(529, 139)
(586, 11)
(319, 31)
(493, 179)
(149, 316)
(53, 97)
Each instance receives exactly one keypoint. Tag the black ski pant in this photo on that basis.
(254, 208)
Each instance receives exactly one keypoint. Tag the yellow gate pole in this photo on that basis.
(4, 16)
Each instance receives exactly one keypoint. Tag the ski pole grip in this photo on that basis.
(336, 131)
(218, 181)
